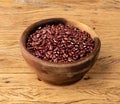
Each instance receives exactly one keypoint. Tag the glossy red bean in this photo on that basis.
(60, 43)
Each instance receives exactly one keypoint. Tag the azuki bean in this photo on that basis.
(60, 43)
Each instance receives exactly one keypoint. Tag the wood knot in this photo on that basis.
(86, 78)
(7, 81)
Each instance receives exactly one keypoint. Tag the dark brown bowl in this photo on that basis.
(60, 73)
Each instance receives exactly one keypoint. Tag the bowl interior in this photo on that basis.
(64, 21)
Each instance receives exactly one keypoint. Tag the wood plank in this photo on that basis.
(19, 89)
(18, 82)
(31, 79)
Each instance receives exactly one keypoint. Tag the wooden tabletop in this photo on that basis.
(19, 84)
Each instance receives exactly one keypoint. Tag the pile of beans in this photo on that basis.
(60, 43)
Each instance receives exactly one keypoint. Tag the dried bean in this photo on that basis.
(60, 43)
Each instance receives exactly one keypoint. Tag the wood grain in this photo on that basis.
(19, 84)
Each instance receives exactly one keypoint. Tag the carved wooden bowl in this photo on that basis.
(60, 73)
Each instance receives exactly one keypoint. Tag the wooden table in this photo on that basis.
(19, 84)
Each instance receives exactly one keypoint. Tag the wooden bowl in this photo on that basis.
(60, 73)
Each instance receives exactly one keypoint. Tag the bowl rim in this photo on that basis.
(47, 63)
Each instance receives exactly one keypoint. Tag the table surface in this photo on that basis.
(19, 84)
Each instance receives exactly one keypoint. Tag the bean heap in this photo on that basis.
(60, 43)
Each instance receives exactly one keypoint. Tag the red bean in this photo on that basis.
(60, 43)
